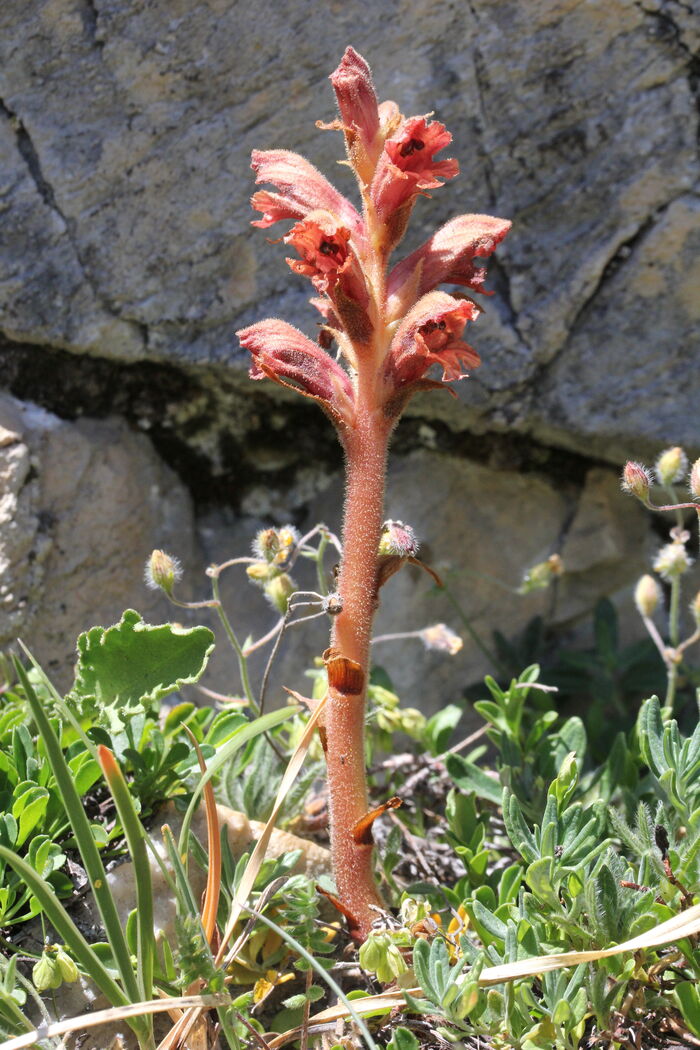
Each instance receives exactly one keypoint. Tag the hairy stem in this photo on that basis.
(348, 667)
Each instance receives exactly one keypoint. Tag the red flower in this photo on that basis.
(408, 167)
(328, 259)
(446, 258)
(302, 189)
(323, 247)
(430, 334)
(282, 353)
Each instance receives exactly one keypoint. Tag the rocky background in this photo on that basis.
(127, 262)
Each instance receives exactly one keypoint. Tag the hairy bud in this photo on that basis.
(636, 480)
(276, 546)
(671, 465)
(162, 572)
(441, 638)
(279, 590)
(694, 480)
(647, 595)
(398, 539)
(541, 575)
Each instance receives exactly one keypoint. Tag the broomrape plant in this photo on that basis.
(390, 325)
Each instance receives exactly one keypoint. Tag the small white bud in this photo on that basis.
(647, 595)
(672, 561)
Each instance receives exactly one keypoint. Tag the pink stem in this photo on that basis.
(366, 450)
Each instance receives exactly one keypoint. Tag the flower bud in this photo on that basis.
(381, 956)
(69, 971)
(398, 539)
(162, 572)
(672, 561)
(259, 572)
(541, 575)
(695, 610)
(694, 480)
(647, 595)
(279, 590)
(276, 546)
(671, 465)
(46, 974)
(266, 544)
(441, 638)
(54, 967)
(413, 910)
(636, 480)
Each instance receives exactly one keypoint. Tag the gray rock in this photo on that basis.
(83, 506)
(127, 262)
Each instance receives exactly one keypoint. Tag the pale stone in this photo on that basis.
(83, 506)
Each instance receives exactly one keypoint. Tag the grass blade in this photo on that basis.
(136, 841)
(65, 927)
(80, 825)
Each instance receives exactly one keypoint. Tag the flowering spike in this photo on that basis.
(389, 333)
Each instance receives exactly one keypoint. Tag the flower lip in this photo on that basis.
(412, 150)
(302, 189)
(282, 353)
(323, 247)
(431, 334)
(446, 258)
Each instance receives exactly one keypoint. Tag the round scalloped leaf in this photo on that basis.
(135, 662)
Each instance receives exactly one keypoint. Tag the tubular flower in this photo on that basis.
(302, 189)
(323, 247)
(328, 260)
(359, 112)
(429, 335)
(284, 354)
(446, 258)
(406, 168)
(326, 256)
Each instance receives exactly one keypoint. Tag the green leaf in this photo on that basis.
(403, 1039)
(28, 808)
(688, 999)
(439, 728)
(539, 878)
(135, 662)
(469, 777)
(90, 857)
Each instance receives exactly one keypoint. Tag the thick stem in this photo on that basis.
(366, 448)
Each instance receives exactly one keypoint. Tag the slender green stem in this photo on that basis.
(90, 857)
(473, 634)
(237, 647)
(320, 571)
(136, 840)
(674, 637)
